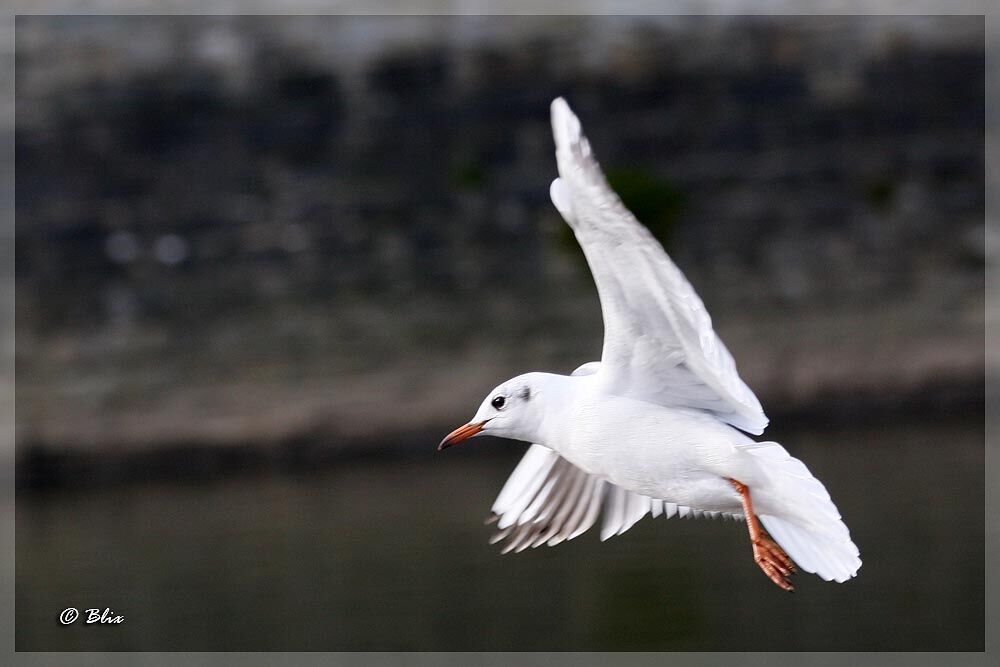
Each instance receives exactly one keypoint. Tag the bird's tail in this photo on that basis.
(796, 510)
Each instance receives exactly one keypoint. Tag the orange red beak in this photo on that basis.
(462, 433)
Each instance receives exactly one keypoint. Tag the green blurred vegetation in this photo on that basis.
(468, 174)
(881, 193)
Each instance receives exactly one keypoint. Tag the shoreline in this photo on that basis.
(42, 468)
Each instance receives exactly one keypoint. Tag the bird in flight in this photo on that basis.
(659, 425)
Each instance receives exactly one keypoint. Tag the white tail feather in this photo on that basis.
(796, 510)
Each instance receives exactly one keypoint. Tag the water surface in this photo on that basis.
(389, 554)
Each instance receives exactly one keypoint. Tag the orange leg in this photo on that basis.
(766, 553)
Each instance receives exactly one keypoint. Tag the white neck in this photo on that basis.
(549, 413)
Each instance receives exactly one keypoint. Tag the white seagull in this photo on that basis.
(657, 426)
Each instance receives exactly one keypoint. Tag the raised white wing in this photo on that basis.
(659, 345)
(548, 500)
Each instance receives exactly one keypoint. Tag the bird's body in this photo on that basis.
(659, 425)
(679, 455)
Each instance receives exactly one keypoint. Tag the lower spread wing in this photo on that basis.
(659, 344)
(548, 500)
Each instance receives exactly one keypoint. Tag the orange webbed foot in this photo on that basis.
(767, 553)
(773, 560)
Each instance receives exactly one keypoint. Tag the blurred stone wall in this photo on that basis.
(236, 229)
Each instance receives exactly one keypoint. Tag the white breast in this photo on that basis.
(682, 456)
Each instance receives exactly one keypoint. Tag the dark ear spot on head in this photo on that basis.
(526, 393)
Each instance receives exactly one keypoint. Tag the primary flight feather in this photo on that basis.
(657, 426)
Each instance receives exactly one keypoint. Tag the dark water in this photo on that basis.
(393, 555)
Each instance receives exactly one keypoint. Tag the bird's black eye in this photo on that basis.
(498, 402)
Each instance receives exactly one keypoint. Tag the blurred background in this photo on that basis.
(264, 264)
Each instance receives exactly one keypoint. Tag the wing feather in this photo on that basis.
(558, 501)
(659, 344)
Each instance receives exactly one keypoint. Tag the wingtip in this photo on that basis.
(565, 124)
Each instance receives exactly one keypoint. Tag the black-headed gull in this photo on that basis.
(657, 426)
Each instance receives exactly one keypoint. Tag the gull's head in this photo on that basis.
(514, 409)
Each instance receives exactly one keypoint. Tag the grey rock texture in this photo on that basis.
(252, 229)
